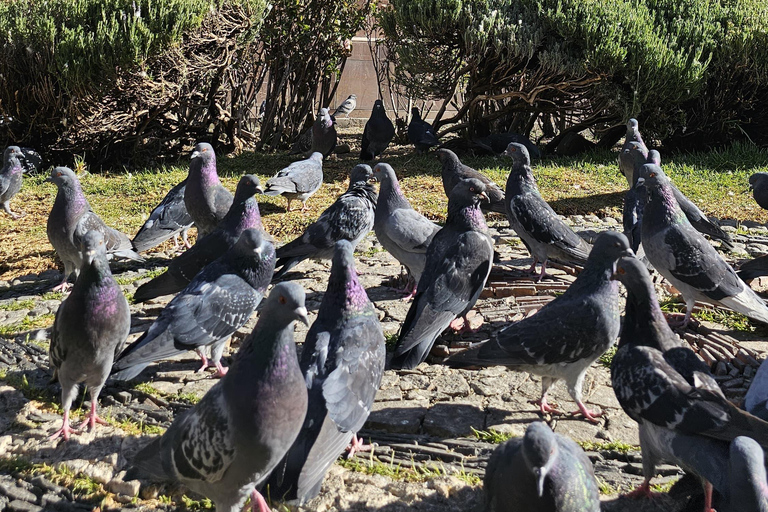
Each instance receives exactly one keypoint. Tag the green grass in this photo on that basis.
(492, 436)
(18, 305)
(190, 398)
(146, 387)
(663, 487)
(150, 274)
(396, 471)
(28, 324)
(80, 484)
(614, 446)
(728, 319)
(390, 340)
(607, 357)
(52, 296)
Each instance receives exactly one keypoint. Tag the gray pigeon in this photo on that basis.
(300, 180)
(206, 199)
(229, 443)
(459, 260)
(497, 143)
(350, 218)
(402, 231)
(567, 335)
(685, 258)
(90, 329)
(746, 469)
(683, 416)
(347, 106)
(758, 184)
(544, 233)
(303, 143)
(31, 161)
(10, 178)
(169, 219)
(218, 301)
(71, 218)
(454, 171)
(243, 214)
(342, 362)
(420, 133)
(324, 134)
(632, 142)
(540, 472)
(753, 268)
(377, 134)
(756, 400)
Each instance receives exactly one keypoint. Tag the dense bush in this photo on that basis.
(692, 70)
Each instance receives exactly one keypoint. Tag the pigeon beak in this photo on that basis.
(628, 253)
(640, 182)
(260, 189)
(485, 197)
(541, 475)
(195, 154)
(48, 179)
(90, 256)
(302, 314)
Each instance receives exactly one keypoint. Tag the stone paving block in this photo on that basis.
(453, 419)
(403, 417)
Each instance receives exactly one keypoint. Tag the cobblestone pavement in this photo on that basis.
(432, 425)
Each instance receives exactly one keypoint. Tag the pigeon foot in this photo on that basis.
(61, 287)
(589, 415)
(357, 445)
(221, 370)
(258, 503)
(642, 492)
(674, 321)
(65, 431)
(205, 363)
(544, 407)
(470, 322)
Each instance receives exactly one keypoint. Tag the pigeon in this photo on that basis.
(10, 178)
(31, 161)
(627, 158)
(324, 134)
(540, 472)
(350, 218)
(634, 199)
(218, 301)
(229, 443)
(683, 416)
(454, 171)
(420, 133)
(262, 110)
(347, 106)
(206, 199)
(459, 260)
(71, 218)
(756, 400)
(401, 230)
(90, 329)
(753, 268)
(300, 180)
(342, 362)
(746, 470)
(303, 143)
(545, 235)
(685, 258)
(243, 214)
(758, 184)
(377, 134)
(497, 143)
(567, 335)
(169, 219)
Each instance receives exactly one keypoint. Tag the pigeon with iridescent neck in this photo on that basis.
(10, 178)
(633, 142)
(324, 135)
(206, 199)
(89, 331)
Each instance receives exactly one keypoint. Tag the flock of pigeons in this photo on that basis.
(276, 421)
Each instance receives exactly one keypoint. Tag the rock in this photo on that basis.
(453, 419)
(451, 385)
(129, 488)
(398, 417)
(22, 506)
(16, 493)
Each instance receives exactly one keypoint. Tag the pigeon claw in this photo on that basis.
(62, 286)
(544, 407)
(221, 370)
(642, 492)
(357, 445)
(65, 431)
(589, 415)
(258, 502)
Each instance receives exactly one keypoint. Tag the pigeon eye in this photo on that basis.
(652, 175)
(471, 189)
(621, 270)
(281, 300)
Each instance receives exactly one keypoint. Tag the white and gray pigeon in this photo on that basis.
(540, 472)
(420, 133)
(350, 218)
(454, 171)
(544, 233)
(206, 199)
(229, 443)
(218, 301)
(300, 180)
(343, 363)
(401, 230)
(377, 134)
(567, 335)
(347, 106)
(71, 218)
(10, 178)
(758, 184)
(169, 219)
(746, 470)
(243, 214)
(632, 141)
(459, 260)
(683, 416)
(89, 331)
(685, 258)
(324, 135)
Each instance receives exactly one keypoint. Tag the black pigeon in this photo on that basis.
(347, 106)
(545, 234)
(218, 301)
(169, 219)
(324, 135)
(685, 258)
(753, 268)
(683, 416)
(206, 199)
(402, 231)
(758, 183)
(540, 472)
(300, 180)
(90, 329)
(227, 445)
(71, 218)
(350, 218)
(10, 178)
(342, 362)
(454, 171)
(243, 214)
(746, 470)
(420, 133)
(378, 133)
(567, 335)
(459, 260)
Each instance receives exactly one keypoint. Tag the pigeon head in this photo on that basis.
(325, 117)
(383, 172)
(252, 243)
(316, 157)
(248, 186)
(759, 179)
(469, 191)
(632, 127)
(204, 152)
(415, 114)
(446, 156)
(654, 157)
(63, 177)
(360, 173)
(286, 304)
(93, 246)
(633, 274)
(378, 107)
(652, 177)
(12, 152)
(540, 451)
(608, 248)
(518, 153)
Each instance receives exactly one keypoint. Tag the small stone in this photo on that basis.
(453, 419)
(451, 384)
(389, 394)
(123, 397)
(17, 493)
(397, 417)
(22, 506)
(129, 488)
